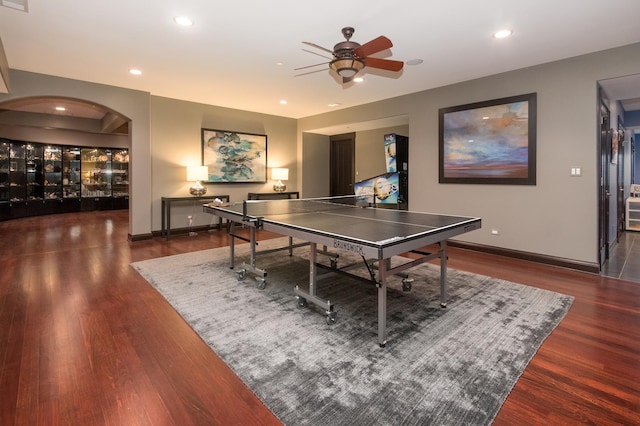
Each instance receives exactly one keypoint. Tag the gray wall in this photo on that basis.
(314, 180)
(131, 103)
(177, 141)
(370, 159)
(164, 138)
(558, 216)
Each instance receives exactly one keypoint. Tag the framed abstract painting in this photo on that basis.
(490, 142)
(234, 157)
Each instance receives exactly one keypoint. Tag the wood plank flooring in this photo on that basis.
(84, 340)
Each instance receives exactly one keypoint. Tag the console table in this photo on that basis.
(166, 209)
(273, 195)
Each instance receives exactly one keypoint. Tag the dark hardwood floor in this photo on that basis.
(84, 340)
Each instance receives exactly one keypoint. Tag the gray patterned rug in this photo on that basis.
(452, 366)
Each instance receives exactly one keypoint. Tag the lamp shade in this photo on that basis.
(279, 173)
(195, 173)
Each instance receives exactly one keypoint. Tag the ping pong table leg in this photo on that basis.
(313, 270)
(383, 266)
(232, 245)
(443, 274)
(252, 233)
(312, 295)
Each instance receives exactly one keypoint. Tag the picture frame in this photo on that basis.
(234, 157)
(617, 140)
(489, 142)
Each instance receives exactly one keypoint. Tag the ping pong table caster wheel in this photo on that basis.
(242, 274)
(302, 302)
(406, 284)
(331, 318)
(262, 284)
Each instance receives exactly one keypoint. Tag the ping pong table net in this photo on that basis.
(266, 208)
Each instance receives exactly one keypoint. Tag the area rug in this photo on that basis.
(453, 366)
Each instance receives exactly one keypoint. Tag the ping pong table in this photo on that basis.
(340, 223)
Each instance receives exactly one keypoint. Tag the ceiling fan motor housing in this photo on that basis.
(345, 49)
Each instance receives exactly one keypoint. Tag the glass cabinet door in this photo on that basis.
(35, 172)
(52, 172)
(71, 172)
(120, 172)
(5, 154)
(95, 167)
(17, 170)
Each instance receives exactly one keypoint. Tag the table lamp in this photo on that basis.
(279, 174)
(197, 173)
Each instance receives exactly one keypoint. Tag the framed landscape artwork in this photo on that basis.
(490, 142)
(234, 157)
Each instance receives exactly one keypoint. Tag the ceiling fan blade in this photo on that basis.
(310, 66)
(309, 72)
(318, 47)
(374, 46)
(315, 53)
(383, 64)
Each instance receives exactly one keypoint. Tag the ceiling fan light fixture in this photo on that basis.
(347, 67)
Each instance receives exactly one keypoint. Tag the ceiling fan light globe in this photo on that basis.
(347, 67)
(347, 72)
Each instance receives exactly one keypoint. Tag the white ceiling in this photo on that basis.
(229, 57)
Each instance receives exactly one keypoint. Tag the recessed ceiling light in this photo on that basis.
(60, 108)
(283, 102)
(414, 62)
(502, 34)
(280, 64)
(183, 21)
(135, 71)
(333, 105)
(22, 5)
(358, 79)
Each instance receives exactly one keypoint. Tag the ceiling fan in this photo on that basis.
(349, 58)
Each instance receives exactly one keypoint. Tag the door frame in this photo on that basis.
(604, 149)
(620, 179)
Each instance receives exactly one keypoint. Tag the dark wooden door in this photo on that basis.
(603, 210)
(342, 164)
(632, 153)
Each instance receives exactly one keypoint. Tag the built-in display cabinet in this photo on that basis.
(38, 179)
(633, 214)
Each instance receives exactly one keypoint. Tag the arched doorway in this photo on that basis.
(40, 156)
